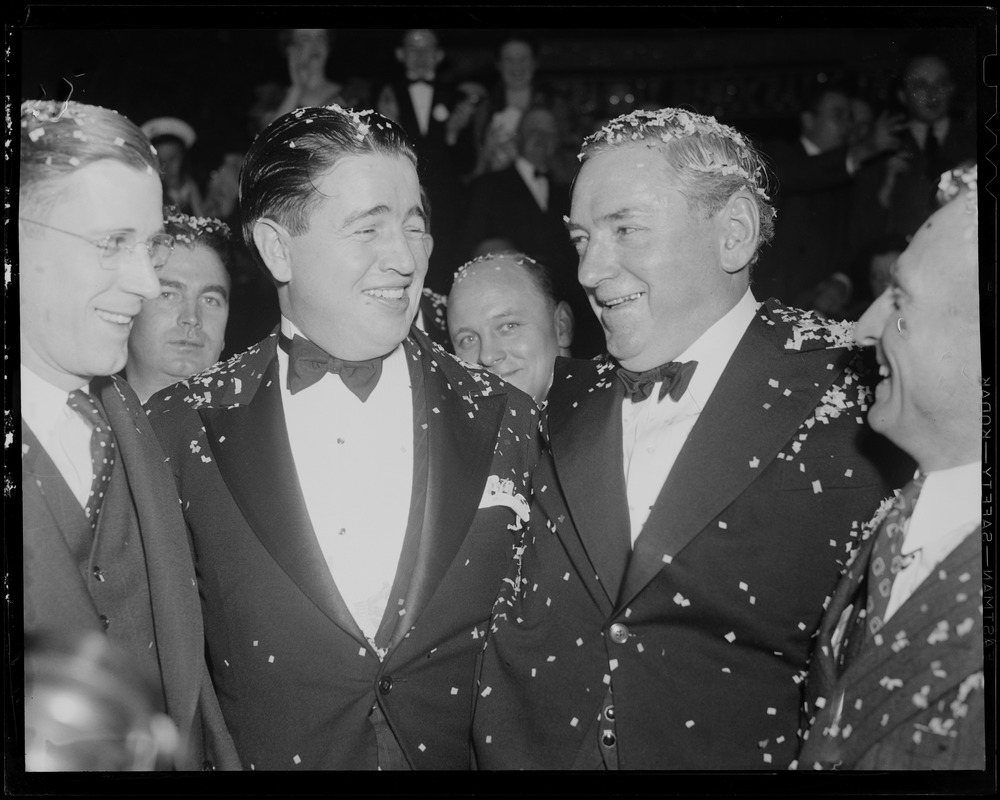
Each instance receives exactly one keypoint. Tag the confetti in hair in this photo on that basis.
(188, 229)
(962, 178)
(714, 148)
(518, 258)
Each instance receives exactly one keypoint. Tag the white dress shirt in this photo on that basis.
(421, 95)
(355, 467)
(919, 131)
(948, 509)
(537, 185)
(63, 433)
(653, 433)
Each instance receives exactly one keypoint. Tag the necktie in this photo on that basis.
(932, 155)
(886, 561)
(675, 376)
(308, 362)
(102, 450)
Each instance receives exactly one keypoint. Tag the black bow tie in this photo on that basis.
(675, 377)
(308, 362)
(420, 79)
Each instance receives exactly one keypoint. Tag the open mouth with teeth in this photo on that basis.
(397, 293)
(113, 318)
(618, 301)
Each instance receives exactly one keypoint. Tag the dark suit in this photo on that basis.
(297, 679)
(811, 240)
(702, 629)
(135, 578)
(502, 206)
(915, 702)
(440, 166)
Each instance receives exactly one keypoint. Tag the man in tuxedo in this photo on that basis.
(503, 313)
(105, 547)
(436, 117)
(897, 680)
(703, 486)
(351, 530)
(522, 207)
(815, 176)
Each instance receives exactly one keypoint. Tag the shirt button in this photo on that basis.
(385, 685)
(609, 713)
(339, 440)
(99, 574)
(608, 739)
(619, 633)
(105, 621)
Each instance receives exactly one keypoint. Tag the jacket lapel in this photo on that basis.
(175, 604)
(585, 435)
(257, 466)
(460, 444)
(713, 468)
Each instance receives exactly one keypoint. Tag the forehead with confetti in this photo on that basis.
(710, 161)
(507, 259)
(60, 137)
(289, 157)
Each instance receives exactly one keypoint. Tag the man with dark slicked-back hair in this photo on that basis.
(355, 494)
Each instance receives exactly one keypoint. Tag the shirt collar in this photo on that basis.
(42, 404)
(525, 168)
(713, 349)
(949, 506)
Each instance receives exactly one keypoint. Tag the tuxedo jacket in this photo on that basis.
(811, 240)
(688, 650)
(296, 677)
(68, 571)
(914, 700)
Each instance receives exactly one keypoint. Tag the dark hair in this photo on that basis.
(816, 90)
(287, 159)
(208, 232)
(286, 35)
(59, 138)
(517, 36)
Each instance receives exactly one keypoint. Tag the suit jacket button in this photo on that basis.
(385, 685)
(618, 633)
(609, 713)
(105, 621)
(608, 738)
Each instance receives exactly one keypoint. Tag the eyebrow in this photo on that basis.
(217, 288)
(374, 211)
(614, 216)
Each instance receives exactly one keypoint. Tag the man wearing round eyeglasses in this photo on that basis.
(105, 546)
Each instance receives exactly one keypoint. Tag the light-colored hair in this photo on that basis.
(711, 161)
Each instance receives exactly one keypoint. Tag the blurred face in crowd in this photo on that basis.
(862, 120)
(880, 271)
(927, 89)
(538, 137)
(77, 301)
(925, 330)
(829, 124)
(498, 317)
(657, 271)
(420, 53)
(182, 331)
(308, 49)
(516, 65)
(351, 282)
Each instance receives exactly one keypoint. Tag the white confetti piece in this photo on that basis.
(744, 585)
(296, 759)
(723, 525)
(422, 747)
(817, 487)
(773, 383)
(574, 722)
(270, 659)
(772, 711)
(730, 637)
(689, 723)
(454, 690)
(486, 692)
(754, 462)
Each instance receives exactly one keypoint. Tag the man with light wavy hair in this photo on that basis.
(704, 486)
(897, 678)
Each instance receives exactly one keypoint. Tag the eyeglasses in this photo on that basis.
(159, 246)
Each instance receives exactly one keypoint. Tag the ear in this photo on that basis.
(740, 231)
(438, 56)
(399, 54)
(272, 241)
(428, 244)
(564, 326)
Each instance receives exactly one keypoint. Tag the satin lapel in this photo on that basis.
(744, 420)
(259, 470)
(585, 436)
(459, 456)
(172, 589)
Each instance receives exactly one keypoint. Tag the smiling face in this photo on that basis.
(182, 331)
(498, 317)
(828, 126)
(650, 263)
(929, 399)
(75, 315)
(351, 282)
(516, 64)
(927, 89)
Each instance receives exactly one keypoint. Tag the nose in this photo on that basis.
(491, 352)
(872, 323)
(404, 255)
(190, 313)
(136, 275)
(596, 264)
